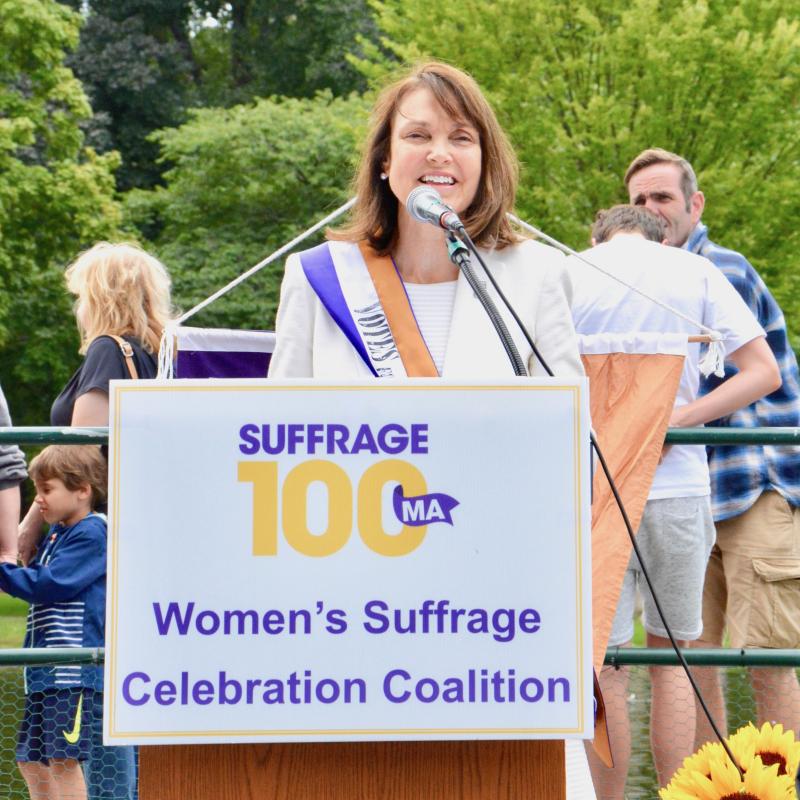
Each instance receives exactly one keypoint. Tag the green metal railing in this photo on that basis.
(36, 656)
(698, 656)
(787, 436)
(733, 436)
(615, 656)
(47, 435)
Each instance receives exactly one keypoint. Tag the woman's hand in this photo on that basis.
(9, 517)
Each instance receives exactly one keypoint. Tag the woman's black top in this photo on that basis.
(103, 362)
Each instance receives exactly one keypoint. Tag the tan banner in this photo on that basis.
(632, 397)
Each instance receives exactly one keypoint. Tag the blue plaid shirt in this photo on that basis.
(739, 474)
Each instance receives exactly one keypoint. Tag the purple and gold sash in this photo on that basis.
(365, 296)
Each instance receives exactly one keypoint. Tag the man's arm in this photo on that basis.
(758, 376)
(12, 473)
(30, 533)
(9, 519)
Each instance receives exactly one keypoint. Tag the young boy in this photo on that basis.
(65, 583)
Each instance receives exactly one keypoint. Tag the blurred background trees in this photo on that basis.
(214, 131)
(243, 181)
(583, 87)
(56, 196)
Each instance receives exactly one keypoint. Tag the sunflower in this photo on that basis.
(760, 783)
(713, 780)
(767, 758)
(699, 762)
(765, 784)
(771, 744)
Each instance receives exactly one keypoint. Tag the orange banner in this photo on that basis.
(632, 397)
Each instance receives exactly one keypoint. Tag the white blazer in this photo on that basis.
(309, 344)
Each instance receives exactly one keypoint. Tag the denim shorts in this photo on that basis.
(58, 723)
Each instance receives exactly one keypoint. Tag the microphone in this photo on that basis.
(426, 205)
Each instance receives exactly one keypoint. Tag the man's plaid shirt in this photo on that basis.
(739, 474)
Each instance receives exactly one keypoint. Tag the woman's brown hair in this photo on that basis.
(375, 212)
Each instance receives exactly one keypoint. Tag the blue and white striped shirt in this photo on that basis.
(739, 474)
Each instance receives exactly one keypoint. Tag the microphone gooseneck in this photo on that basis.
(459, 255)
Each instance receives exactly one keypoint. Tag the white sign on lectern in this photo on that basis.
(296, 561)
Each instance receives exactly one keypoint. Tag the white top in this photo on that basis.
(432, 304)
(309, 343)
(686, 281)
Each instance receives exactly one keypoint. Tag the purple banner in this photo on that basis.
(221, 364)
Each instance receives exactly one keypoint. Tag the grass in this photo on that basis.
(12, 621)
(638, 632)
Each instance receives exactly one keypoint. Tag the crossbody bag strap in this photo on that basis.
(127, 354)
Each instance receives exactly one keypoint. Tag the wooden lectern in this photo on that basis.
(463, 770)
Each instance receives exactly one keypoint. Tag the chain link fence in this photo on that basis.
(67, 722)
(738, 709)
(106, 774)
(12, 699)
(111, 773)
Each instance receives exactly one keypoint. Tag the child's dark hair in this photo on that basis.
(628, 219)
(75, 466)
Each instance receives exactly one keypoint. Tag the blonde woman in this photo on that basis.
(121, 291)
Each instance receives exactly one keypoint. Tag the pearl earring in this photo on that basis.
(384, 176)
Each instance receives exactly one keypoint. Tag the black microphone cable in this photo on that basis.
(459, 255)
(628, 527)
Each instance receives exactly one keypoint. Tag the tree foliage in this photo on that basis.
(145, 62)
(136, 63)
(243, 181)
(293, 48)
(55, 198)
(582, 87)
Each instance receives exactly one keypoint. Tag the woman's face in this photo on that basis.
(429, 147)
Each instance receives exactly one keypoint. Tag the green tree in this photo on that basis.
(243, 181)
(136, 63)
(582, 87)
(143, 63)
(55, 198)
(293, 48)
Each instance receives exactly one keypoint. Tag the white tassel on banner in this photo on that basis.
(166, 351)
(714, 359)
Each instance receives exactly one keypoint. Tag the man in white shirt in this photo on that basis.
(676, 533)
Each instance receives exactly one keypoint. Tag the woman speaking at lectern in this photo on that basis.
(381, 297)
